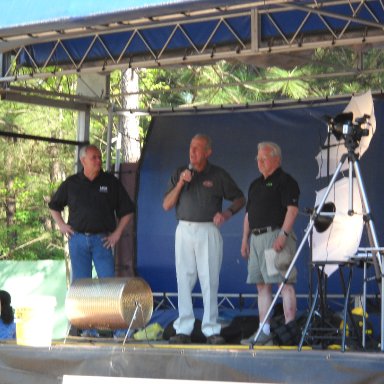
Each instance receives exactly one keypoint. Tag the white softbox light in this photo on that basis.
(341, 240)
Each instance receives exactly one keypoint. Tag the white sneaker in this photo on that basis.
(263, 339)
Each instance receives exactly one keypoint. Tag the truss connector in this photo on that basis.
(213, 51)
(365, 33)
(300, 41)
(104, 65)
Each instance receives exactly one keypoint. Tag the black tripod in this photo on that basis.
(351, 142)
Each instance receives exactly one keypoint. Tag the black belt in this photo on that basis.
(92, 233)
(260, 231)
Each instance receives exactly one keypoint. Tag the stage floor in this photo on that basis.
(109, 358)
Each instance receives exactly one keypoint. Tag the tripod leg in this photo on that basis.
(345, 312)
(376, 255)
(130, 324)
(281, 286)
(309, 319)
(322, 277)
(364, 304)
(377, 262)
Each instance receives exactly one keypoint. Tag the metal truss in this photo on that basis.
(252, 32)
(225, 300)
(168, 300)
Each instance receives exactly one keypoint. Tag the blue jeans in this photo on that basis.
(83, 249)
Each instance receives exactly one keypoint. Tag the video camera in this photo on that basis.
(343, 127)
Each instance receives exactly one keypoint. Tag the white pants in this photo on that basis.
(199, 253)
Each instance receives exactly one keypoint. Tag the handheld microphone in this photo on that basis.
(190, 168)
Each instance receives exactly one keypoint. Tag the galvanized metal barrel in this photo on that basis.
(109, 303)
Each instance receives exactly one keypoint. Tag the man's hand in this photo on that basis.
(66, 230)
(111, 240)
(245, 248)
(279, 243)
(221, 217)
(185, 176)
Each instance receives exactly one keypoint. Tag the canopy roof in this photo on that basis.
(40, 13)
(39, 40)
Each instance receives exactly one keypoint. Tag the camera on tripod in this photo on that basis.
(343, 127)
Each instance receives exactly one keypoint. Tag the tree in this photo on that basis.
(129, 123)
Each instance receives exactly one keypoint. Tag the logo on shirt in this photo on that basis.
(208, 183)
(103, 189)
(269, 184)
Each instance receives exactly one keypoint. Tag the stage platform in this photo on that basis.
(110, 358)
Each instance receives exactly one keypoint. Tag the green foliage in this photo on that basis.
(222, 83)
(26, 179)
(329, 72)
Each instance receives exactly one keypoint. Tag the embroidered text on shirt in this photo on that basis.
(208, 183)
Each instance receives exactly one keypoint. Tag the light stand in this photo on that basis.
(351, 143)
(137, 307)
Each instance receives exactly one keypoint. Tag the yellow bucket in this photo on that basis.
(34, 321)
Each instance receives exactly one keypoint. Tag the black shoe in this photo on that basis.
(215, 339)
(180, 338)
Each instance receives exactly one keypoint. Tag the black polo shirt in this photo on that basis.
(93, 205)
(202, 198)
(268, 199)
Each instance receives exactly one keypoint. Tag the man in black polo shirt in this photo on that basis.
(99, 210)
(271, 211)
(198, 191)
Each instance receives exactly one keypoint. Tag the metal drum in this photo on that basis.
(109, 303)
